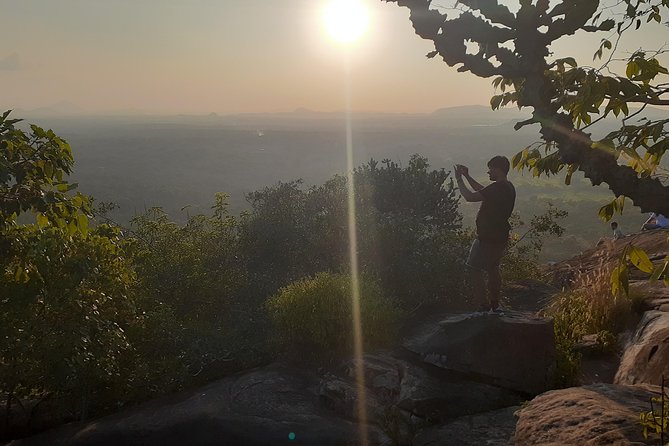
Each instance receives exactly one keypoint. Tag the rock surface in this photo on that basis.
(655, 294)
(598, 414)
(646, 357)
(420, 390)
(511, 349)
(493, 428)
(653, 242)
(262, 407)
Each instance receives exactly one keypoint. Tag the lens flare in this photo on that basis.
(355, 280)
(345, 20)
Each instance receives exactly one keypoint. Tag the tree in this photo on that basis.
(33, 170)
(64, 289)
(565, 97)
(407, 223)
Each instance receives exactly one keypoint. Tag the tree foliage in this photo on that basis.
(314, 316)
(64, 289)
(566, 99)
(407, 222)
(33, 178)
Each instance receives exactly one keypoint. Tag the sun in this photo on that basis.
(345, 20)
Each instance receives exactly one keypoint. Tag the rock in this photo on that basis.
(341, 397)
(423, 390)
(261, 407)
(598, 414)
(646, 357)
(512, 350)
(493, 428)
(433, 394)
(655, 294)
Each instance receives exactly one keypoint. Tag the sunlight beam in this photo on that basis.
(355, 280)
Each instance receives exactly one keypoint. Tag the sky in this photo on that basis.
(223, 56)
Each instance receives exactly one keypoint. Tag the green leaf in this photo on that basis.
(659, 271)
(496, 101)
(42, 220)
(18, 273)
(82, 222)
(606, 212)
(640, 259)
(620, 280)
(72, 227)
(569, 61)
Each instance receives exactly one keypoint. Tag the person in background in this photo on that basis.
(617, 232)
(492, 228)
(655, 221)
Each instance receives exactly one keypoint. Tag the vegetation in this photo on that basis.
(96, 316)
(588, 307)
(567, 99)
(313, 316)
(522, 259)
(656, 420)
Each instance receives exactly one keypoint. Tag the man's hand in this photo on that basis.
(461, 170)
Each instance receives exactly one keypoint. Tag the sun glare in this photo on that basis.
(345, 20)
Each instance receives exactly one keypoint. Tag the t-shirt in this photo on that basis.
(617, 233)
(661, 220)
(492, 220)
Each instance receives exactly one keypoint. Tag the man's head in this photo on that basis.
(498, 168)
(614, 224)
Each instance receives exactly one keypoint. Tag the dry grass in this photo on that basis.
(588, 307)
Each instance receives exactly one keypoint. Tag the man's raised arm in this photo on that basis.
(466, 193)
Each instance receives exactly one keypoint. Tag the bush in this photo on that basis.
(313, 316)
(589, 307)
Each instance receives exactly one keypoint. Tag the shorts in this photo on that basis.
(485, 256)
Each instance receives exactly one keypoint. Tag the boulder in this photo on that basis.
(434, 394)
(655, 295)
(598, 414)
(493, 428)
(269, 406)
(511, 349)
(646, 357)
(421, 390)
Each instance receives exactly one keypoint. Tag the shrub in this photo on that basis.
(313, 316)
(589, 307)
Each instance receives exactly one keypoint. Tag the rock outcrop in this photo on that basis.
(403, 394)
(512, 350)
(493, 428)
(268, 406)
(598, 414)
(646, 357)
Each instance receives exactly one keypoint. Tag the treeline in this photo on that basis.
(94, 316)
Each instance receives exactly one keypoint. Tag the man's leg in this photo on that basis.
(476, 262)
(478, 288)
(494, 286)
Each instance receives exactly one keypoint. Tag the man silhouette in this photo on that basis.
(492, 228)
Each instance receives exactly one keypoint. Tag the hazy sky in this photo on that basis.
(225, 56)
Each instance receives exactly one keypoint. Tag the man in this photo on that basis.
(617, 232)
(492, 228)
(655, 221)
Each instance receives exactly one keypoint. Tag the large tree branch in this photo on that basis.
(527, 66)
